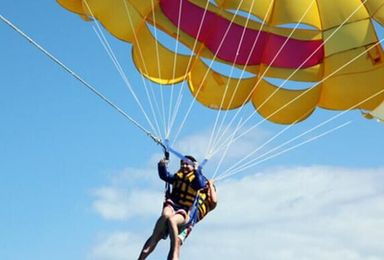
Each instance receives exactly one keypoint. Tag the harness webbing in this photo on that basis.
(193, 211)
(167, 148)
(167, 190)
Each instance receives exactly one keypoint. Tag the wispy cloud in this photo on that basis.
(315, 212)
(116, 246)
(134, 192)
(299, 213)
(198, 144)
(302, 212)
(116, 204)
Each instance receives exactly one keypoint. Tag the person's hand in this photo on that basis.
(166, 155)
(195, 165)
(163, 162)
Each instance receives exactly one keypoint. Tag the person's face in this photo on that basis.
(186, 166)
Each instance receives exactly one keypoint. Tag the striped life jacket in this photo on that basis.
(183, 193)
(203, 204)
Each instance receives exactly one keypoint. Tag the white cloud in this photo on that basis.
(299, 213)
(313, 212)
(309, 212)
(122, 245)
(116, 204)
(198, 144)
(131, 193)
(116, 246)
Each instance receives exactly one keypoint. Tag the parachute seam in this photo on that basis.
(270, 7)
(118, 67)
(323, 80)
(136, 31)
(213, 133)
(340, 68)
(189, 77)
(341, 113)
(320, 18)
(378, 9)
(190, 65)
(213, 59)
(260, 78)
(289, 78)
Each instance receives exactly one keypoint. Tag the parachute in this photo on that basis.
(335, 46)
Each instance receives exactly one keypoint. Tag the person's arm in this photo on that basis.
(163, 172)
(212, 194)
(201, 180)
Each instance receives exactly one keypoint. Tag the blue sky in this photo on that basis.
(78, 181)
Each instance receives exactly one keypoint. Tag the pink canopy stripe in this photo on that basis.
(292, 53)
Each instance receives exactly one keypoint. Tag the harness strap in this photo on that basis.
(167, 191)
(167, 148)
(194, 210)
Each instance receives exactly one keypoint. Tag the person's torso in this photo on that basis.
(184, 189)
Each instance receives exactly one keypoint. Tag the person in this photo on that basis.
(185, 184)
(206, 201)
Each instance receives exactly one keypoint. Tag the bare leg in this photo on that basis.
(160, 228)
(149, 246)
(176, 250)
(174, 223)
(152, 241)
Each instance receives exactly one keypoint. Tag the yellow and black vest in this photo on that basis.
(183, 193)
(203, 205)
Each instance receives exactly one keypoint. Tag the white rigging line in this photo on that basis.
(238, 83)
(174, 71)
(76, 76)
(99, 32)
(233, 95)
(324, 42)
(225, 152)
(319, 125)
(144, 81)
(265, 71)
(209, 67)
(158, 67)
(283, 151)
(258, 148)
(91, 88)
(177, 108)
(330, 75)
(239, 165)
(213, 132)
(188, 66)
(124, 77)
(296, 70)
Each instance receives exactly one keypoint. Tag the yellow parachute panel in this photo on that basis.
(339, 50)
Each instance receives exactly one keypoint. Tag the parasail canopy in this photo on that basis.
(330, 43)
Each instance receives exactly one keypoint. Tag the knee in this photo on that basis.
(167, 213)
(172, 221)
